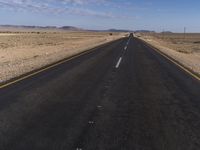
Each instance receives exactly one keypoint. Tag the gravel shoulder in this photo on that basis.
(23, 52)
(180, 52)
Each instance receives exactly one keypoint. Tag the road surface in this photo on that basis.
(122, 96)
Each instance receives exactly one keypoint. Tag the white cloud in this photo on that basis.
(84, 1)
(48, 7)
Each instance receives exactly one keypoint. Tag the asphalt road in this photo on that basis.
(122, 96)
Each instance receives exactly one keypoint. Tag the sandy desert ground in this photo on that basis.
(183, 48)
(22, 52)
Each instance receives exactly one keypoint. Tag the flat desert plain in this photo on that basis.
(185, 48)
(22, 52)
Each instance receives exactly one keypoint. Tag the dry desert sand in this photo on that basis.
(183, 48)
(22, 52)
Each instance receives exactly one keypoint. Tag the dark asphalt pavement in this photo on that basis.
(113, 98)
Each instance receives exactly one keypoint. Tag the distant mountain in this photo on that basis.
(111, 30)
(28, 27)
(71, 28)
(144, 31)
(122, 30)
(68, 28)
(119, 30)
(166, 32)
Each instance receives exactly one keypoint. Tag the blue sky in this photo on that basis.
(156, 15)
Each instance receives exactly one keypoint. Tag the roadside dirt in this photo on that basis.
(23, 52)
(185, 50)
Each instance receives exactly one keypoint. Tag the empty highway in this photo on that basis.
(120, 96)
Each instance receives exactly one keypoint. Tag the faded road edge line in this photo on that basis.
(41, 70)
(173, 61)
(53, 65)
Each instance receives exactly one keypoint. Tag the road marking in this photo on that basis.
(127, 43)
(91, 122)
(118, 63)
(49, 67)
(120, 59)
(42, 70)
(170, 59)
(99, 106)
(125, 47)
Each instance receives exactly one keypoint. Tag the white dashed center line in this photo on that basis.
(91, 122)
(125, 47)
(120, 59)
(118, 63)
(99, 106)
(128, 42)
